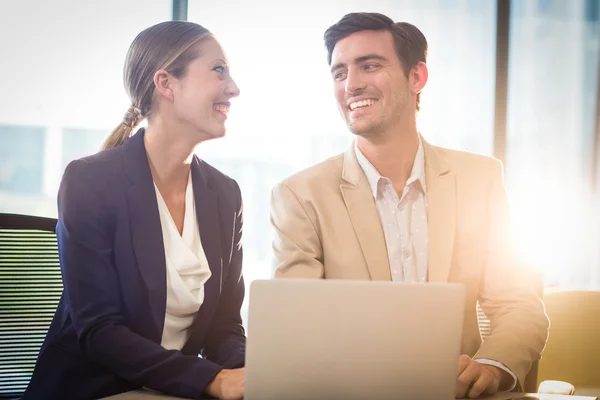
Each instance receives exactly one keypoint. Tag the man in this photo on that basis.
(394, 207)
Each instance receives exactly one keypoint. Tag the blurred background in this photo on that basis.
(514, 79)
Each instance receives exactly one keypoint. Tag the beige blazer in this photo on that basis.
(327, 226)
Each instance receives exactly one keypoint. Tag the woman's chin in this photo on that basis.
(218, 133)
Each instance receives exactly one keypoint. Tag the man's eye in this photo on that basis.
(220, 69)
(339, 75)
(370, 66)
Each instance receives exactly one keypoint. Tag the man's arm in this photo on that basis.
(297, 248)
(509, 295)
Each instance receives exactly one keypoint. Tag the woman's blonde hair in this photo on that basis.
(170, 46)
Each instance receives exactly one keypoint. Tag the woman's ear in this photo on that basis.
(163, 85)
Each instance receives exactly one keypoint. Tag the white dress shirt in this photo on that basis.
(404, 219)
(187, 270)
(405, 227)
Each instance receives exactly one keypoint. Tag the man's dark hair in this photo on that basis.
(409, 41)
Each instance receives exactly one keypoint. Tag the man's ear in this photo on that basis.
(418, 77)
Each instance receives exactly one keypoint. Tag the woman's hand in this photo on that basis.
(227, 385)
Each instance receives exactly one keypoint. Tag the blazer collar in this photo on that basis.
(146, 233)
(441, 213)
(135, 159)
(351, 170)
(359, 201)
(209, 224)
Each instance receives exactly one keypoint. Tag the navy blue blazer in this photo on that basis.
(105, 336)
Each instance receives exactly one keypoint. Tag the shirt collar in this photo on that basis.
(373, 176)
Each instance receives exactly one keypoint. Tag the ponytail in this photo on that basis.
(121, 133)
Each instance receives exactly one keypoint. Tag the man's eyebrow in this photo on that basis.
(337, 66)
(369, 57)
(359, 60)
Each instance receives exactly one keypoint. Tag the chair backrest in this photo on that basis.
(30, 288)
(573, 348)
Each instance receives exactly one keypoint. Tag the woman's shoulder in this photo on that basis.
(106, 157)
(95, 171)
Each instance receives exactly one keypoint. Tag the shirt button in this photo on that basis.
(401, 207)
(406, 254)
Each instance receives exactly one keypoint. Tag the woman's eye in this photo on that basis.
(220, 69)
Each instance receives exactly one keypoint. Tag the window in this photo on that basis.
(552, 92)
(63, 62)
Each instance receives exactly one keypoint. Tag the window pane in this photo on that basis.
(286, 118)
(22, 159)
(63, 65)
(553, 72)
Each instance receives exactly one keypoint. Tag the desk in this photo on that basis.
(144, 395)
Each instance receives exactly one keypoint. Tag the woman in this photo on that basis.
(150, 239)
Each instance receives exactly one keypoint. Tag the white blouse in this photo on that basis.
(187, 270)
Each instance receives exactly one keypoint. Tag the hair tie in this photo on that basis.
(132, 117)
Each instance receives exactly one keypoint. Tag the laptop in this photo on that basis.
(346, 339)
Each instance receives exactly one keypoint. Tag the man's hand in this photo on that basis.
(475, 379)
(227, 385)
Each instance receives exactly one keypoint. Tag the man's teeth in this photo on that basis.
(222, 108)
(362, 103)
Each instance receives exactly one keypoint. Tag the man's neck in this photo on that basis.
(392, 155)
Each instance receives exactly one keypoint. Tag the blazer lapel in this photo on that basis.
(441, 210)
(146, 232)
(365, 219)
(207, 213)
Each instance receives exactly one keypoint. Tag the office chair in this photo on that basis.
(30, 288)
(572, 352)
